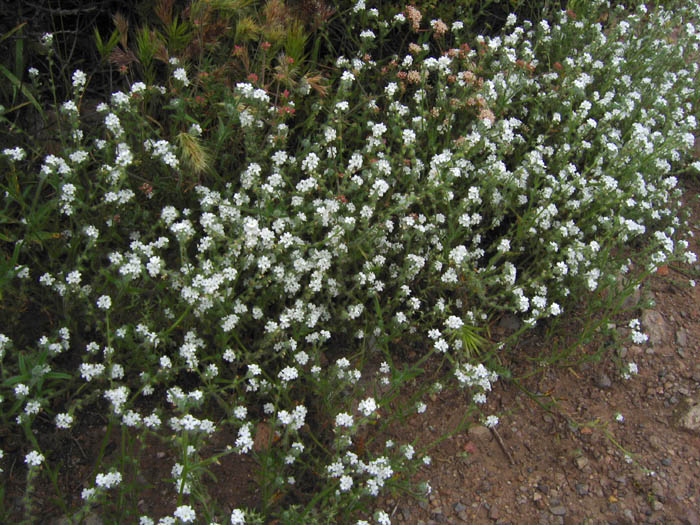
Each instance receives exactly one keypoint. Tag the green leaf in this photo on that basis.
(19, 85)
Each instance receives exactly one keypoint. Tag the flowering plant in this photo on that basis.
(419, 200)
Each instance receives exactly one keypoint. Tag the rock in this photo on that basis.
(581, 489)
(479, 432)
(657, 506)
(655, 327)
(658, 490)
(682, 337)
(459, 507)
(581, 462)
(628, 516)
(603, 381)
(691, 518)
(494, 514)
(632, 300)
(559, 510)
(687, 415)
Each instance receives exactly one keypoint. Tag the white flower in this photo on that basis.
(382, 518)
(21, 390)
(288, 374)
(79, 80)
(454, 322)
(367, 406)
(237, 517)
(16, 154)
(34, 459)
(343, 420)
(64, 420)
(345, 483)
(367, 34)
(181, 75)
(378, 129)
(109, 480)
(185, 513)
(104, 302)
(491, 421)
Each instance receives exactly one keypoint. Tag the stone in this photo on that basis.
(459, 507)
(691, 517)
(655, 327)
(581, 462)
(628, 516)
(479, 432)
(559, 510)
(603, 381)
(633, 299)
(687, 415)
(682, 337)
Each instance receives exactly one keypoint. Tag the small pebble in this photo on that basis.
(603, 381)
(559, 510)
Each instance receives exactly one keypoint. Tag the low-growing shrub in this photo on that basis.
(238, 271)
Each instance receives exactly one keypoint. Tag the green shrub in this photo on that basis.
(234, 264)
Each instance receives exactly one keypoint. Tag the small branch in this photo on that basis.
(503, 446)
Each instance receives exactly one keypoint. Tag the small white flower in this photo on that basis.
(64, 420)
(104, 302)
(79, 80)
(367, 406)
(185, 514)
(181, 75)
(21, 390)
(34, 459)
(491, 421)
(345, 483)
(237, 517)
(367, 34)
(343, 420)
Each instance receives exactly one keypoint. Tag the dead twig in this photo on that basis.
(503, 446)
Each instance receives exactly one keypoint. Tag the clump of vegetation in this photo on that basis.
(225, 245)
